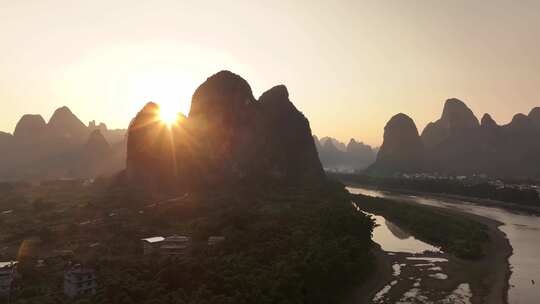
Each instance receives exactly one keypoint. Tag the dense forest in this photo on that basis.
(458, 235)
(282, 246)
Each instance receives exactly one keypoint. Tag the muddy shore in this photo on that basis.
(487, 277)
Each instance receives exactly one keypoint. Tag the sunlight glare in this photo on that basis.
(168, 114)
(172, 92)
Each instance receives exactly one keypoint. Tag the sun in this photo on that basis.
(168, 115)
(169, 89)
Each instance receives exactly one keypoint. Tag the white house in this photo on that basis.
(151, 244)
(7, 274)
(172, 246)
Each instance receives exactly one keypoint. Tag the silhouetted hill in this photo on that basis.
(534, 116)
(402, 149)
(331, 155)
(457, 144)
(6, 144)
(288, 145)
(30, 128)
(112, 136)
(64, 124)
(452, 141)
(336, 156)
(361, 155)
(456, 120)
(228, 137)
(97, 144)
(317, 142)
(5, 139)
(150, 158)
(488, 122)
(62, 148)
(338, 144)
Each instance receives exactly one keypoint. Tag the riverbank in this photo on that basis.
(495, 265)
(380, 277)
(458, 199)
(444, 278)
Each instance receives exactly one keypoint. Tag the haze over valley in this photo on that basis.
(239, 152)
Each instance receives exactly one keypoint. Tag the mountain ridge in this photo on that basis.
(457, 143)
(58, 148)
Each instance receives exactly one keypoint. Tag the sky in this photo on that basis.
(349, 65)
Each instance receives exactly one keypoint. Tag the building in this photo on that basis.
(150, 245)
(169, 246)
(214, 240)
(7, 274)
(79, 281)
(175, 245)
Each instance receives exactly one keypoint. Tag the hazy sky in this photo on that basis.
(349, 65)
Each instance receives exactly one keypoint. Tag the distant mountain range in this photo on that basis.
(458, 143)
(336, 156)
(63, 147)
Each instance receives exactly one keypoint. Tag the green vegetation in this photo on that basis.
(455, 234)
(526, 197)
(286, 246)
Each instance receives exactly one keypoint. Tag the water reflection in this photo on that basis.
(394, 239)
(396, 231)
(522, 231)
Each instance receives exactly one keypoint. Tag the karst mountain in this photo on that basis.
(63, 147)
(228, 138)
(458, 143)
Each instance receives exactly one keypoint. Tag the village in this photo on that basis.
(81, 281)
(63, 253)
(473, 179)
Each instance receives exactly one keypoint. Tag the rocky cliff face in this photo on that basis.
(228, 137)
(402, 149)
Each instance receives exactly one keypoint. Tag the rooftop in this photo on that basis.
(7, 264)
(178, 238)
(155, 239)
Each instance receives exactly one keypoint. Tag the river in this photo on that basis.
(522, 230)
